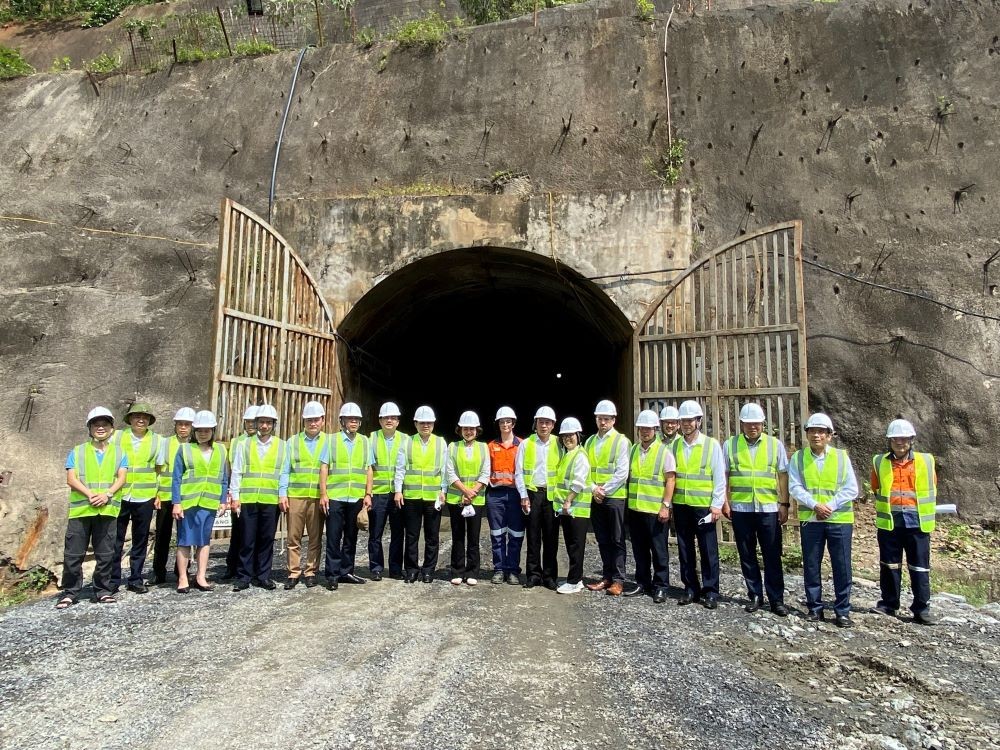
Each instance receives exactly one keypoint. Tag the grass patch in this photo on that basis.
(976, 592)
(32, 583)
(427, 33)
(254, 48)
(728, 554)
(103, 63)
(61, 64)
(491, 11)
(12, 64)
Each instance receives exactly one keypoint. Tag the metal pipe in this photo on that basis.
(281, 133)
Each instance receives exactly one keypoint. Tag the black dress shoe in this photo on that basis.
(267, 585)
(331, 584)
(687, 599)
(158, 580)
(633, 589)
(550, 585)
(412, 576)
(184, 590)
(924, 618)
(710, 602)
(310, 581)
(659, 596)
(351, 578)
(291, 583)
(779, 609)
(754, 604)
(377, 575)
(843, 621)
(137, 588)
(255, 583)
(815, 616)
(230, 575)
(396, 575)
(532, 581)
(241, 586)
(198, 586)
(427, 578)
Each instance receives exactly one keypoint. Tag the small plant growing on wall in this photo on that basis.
(12, 64)
(667, 166)
(644, 10)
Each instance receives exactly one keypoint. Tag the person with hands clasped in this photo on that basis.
(467, 472)
(608, 454)
(305, 451)
(570, 496)
(503, 505)
(183, 428)
(534, 473)
(387, 443)
(236, 525)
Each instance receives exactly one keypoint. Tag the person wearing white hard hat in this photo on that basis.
(183, 426)
(345, 488)
(652, 473)
(386, 444)
(258, 487)
(757, 475)
(96, 471)
(608, 455)
(904, 482)
(467, 472)
(570, 497)
(699, 494)
(670, 425)
(199, 487)
(503, 505)
(821, 480)
(420, 488)
(236, 525)
(304, 515)
(534, 472)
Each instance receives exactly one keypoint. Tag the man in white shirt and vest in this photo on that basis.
(236, 526)
(386, 444)
(608, 453)
(534, 470)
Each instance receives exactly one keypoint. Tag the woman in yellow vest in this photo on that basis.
(467, 472)
(905, 485)
(95, 472)
(200, 484)
(571, 501)
(183, 421)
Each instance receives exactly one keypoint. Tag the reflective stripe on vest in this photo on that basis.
(261, 473)
(96, 476)
(753, 478)
(166, 478)
(645, 480)
(141, 482)
(467, 468)
(823, 485)
(384, 470)
(695, 483)
(503, 459)
(303, 472)
(201, 483)
(580, 507)
(925, 491)
(424, 467)
(348, 470)
(530, 459)
(603, 461)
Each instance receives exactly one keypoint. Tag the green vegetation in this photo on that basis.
(427, 33)
(103, 63)
(728, 554)
(491, 11)
(944, 107)
(34, 581)
(791, 558)
(383, 61)
(975, 591)
(365, 37)
(94, 12)
(143, 29)
(186, 54)
(61, 64)
(12, 65)
(667, 166)
(644, 10)
(253, 48)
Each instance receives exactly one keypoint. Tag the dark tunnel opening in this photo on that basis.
(479, 328)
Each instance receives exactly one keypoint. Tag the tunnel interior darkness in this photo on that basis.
(482, 327)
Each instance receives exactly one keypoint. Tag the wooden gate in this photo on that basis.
(728, 330)
(275, 341)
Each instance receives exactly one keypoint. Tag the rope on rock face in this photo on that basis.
(136, 235)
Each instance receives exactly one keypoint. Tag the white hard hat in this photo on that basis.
(545, 412)
(424, 414)
(504, 412)
(900, 428)
(99, 411)
(267, 412)
(647, 418)
(569, 426)
(184, 414)
(250, 413)
(468, 419)
(820, 420)
(205, 418)
(313, 409)
(690, 410)
(350, 409)
(669, 412)
(751, 413)
(605, 408)
(389, 409)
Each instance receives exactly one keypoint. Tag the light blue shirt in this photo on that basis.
(71, 459)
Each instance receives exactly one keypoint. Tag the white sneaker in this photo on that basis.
(570, 588)
(472, 581)
(456, 581)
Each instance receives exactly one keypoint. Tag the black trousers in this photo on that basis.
(751, 529)
(260, 522)
(161, 542)
(384, 510)
(543, 539)
(235, 544)
(649, 547)
(575, 536)
(608, 519)
(690, 532)
(341, 537)
(140, 515)
(465, 541)
(81, 533)
(916, 544)
(417, 513)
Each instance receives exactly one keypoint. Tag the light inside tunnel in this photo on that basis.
(480, 328)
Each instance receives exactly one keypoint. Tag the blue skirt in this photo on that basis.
(195, 529)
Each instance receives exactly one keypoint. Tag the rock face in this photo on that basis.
(886, 153)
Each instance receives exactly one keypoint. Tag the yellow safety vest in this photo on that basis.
(468, 469)
(424, 468)
(554, 453)
(695, 483)
(823, 485)
(348, 471)
(201, 483)
(96, 476)
(384, 469)
(753, 479)
(580, 507)
(141, 483)
(603, 461)
(645, 480)
(303, 466)
(166, 478)
(925, 485)
(261, 473)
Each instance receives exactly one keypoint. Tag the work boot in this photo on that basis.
(779, 609)
(754, 604)
(882, 609)
(497, 576)
(923, 618)
(513, 579)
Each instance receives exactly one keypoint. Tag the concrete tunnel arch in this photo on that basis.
(477, 328)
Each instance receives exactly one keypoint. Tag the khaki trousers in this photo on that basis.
(304, 515)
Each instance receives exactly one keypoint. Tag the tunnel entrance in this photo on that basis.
(482, 327)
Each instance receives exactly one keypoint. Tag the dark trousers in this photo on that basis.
(575, 536)
(235, 544)
(608, 519)
(917, 546)
(465, 541)
(341, 537)
(98, 532)
(540, 561)
(260, 521)
(140, 515)
(506, 519)
(417, 513)
(649, 547)
(689, 531)
(837, 537)
(384, 510)
(751, 529)
(161, 542)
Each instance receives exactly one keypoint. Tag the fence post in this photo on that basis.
(225, 34)
(319, 25)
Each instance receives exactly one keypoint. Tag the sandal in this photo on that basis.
(65, 602)
(107, 599)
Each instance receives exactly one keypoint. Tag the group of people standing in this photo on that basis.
(552, 481)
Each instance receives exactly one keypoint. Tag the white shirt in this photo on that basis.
(669, 462)
(797, 488)
(451, 475)
(236, 476)
(716, 464)
(580, 479)
(620, 475)
(539, 473)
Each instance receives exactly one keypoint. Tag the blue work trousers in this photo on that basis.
(506, 519)
(753, 529)
(817, 535)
